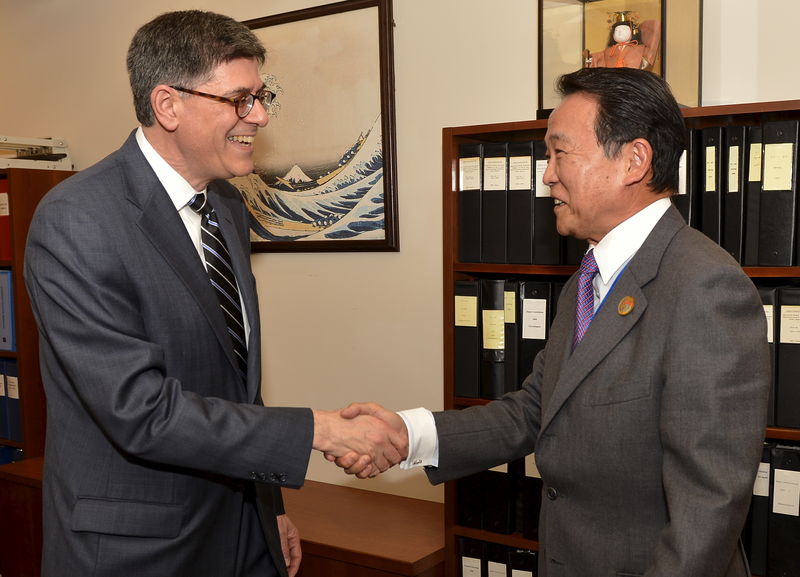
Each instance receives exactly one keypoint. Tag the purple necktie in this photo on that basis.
(584, 309)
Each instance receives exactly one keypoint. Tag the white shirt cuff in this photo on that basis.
(423, 441)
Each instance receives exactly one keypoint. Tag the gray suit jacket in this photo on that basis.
(153, 441)
(648, 436)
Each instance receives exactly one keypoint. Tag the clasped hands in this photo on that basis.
(364, 438)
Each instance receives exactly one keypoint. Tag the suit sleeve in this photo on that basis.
(713, 417)
(481, 437)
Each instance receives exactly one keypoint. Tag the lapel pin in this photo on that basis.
(625, 305)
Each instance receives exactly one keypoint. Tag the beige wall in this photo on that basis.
(343, 327)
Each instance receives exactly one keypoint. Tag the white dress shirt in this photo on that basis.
(612, 254)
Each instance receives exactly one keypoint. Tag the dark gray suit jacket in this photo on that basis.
(649, 435)
(154, 445)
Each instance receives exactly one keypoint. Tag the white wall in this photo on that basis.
(361, 326)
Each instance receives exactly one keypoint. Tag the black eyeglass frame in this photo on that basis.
(243, 104)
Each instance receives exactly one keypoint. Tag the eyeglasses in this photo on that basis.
(243, 104)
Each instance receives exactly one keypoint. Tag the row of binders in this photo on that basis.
(772, 533)
(482, 558)
(505, 499)
(10, 417)
(737, 184)
(501, 324)
(7, 332)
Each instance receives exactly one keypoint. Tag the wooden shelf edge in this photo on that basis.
(783, 433)
(512, 540)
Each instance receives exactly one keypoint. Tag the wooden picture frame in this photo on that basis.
(325, 164)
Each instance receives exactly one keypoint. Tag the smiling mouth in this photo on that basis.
(247, 140)
(559, 202)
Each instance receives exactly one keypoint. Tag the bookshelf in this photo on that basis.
(453, 270)
(26, 187)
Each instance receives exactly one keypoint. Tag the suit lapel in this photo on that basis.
(567, 371)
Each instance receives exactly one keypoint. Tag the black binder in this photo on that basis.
(546, 240)
(494, 197)
(755, 535)
(752, 199)
(777, 213)
(783, 559)
(500, 498)
(472, 557)
(734, 202)
(493, 379)
(769, 300)
(512, 324)
(470, 168)
(469, 501)
(496, 560)
(689, 193)
(523, 563)
(521, 190)
(466, 339)
(713, 143)
(534, 323)
(787, 385)
(573, 250)
(531, 499)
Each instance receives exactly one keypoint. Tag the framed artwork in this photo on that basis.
(324, 177)
(648, 34)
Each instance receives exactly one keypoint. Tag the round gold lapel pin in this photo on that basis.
(625, 305)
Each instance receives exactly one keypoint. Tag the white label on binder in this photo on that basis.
(769, 311)
(494, 330)
(778, 164)
(4, 204)
(509, 307)
(497, 569)
(542, 190)
(519, 173)
(534, 319)
(790, 325)
(520, 573)
(470, 567)
(761, 485)
(711, 168)
(786, 493)
(754, 171)
(466, 311)
(12, 386)
(469, 173)
(733, 169)
(494, 173)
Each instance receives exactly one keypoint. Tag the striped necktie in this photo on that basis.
(584, 306)
(220, 273)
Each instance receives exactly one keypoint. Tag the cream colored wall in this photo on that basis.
(363, 326)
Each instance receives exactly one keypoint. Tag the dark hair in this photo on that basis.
(184, 48)
(633, 103)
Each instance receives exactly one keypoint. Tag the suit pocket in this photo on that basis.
(127, 518)
(598, 393)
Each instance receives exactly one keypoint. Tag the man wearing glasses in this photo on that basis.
(161, 458)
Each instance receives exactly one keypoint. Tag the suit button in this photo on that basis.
(552, 494)
(253, 475)
(278, 477)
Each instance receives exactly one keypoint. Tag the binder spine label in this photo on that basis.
(534, 319)
(496, 569)
(470, 567)
(711, 168)
(786, 493)
(466, 311)
(494, 173)
(542, 190)
(494, 330)
(790, 324)
(778, 161)
(12, 387)
(769, 312)
(510, 306)
(519, 173)
(754, 170)
(761, 485)
(733, 169)
(469, 173)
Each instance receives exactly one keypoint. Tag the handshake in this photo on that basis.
(364, 438)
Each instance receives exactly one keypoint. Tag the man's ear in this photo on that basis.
(167, 105)
(639, 155)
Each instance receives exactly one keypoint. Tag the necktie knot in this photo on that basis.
(198, 202)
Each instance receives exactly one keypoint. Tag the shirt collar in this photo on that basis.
(621, 243)
(179, 190)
